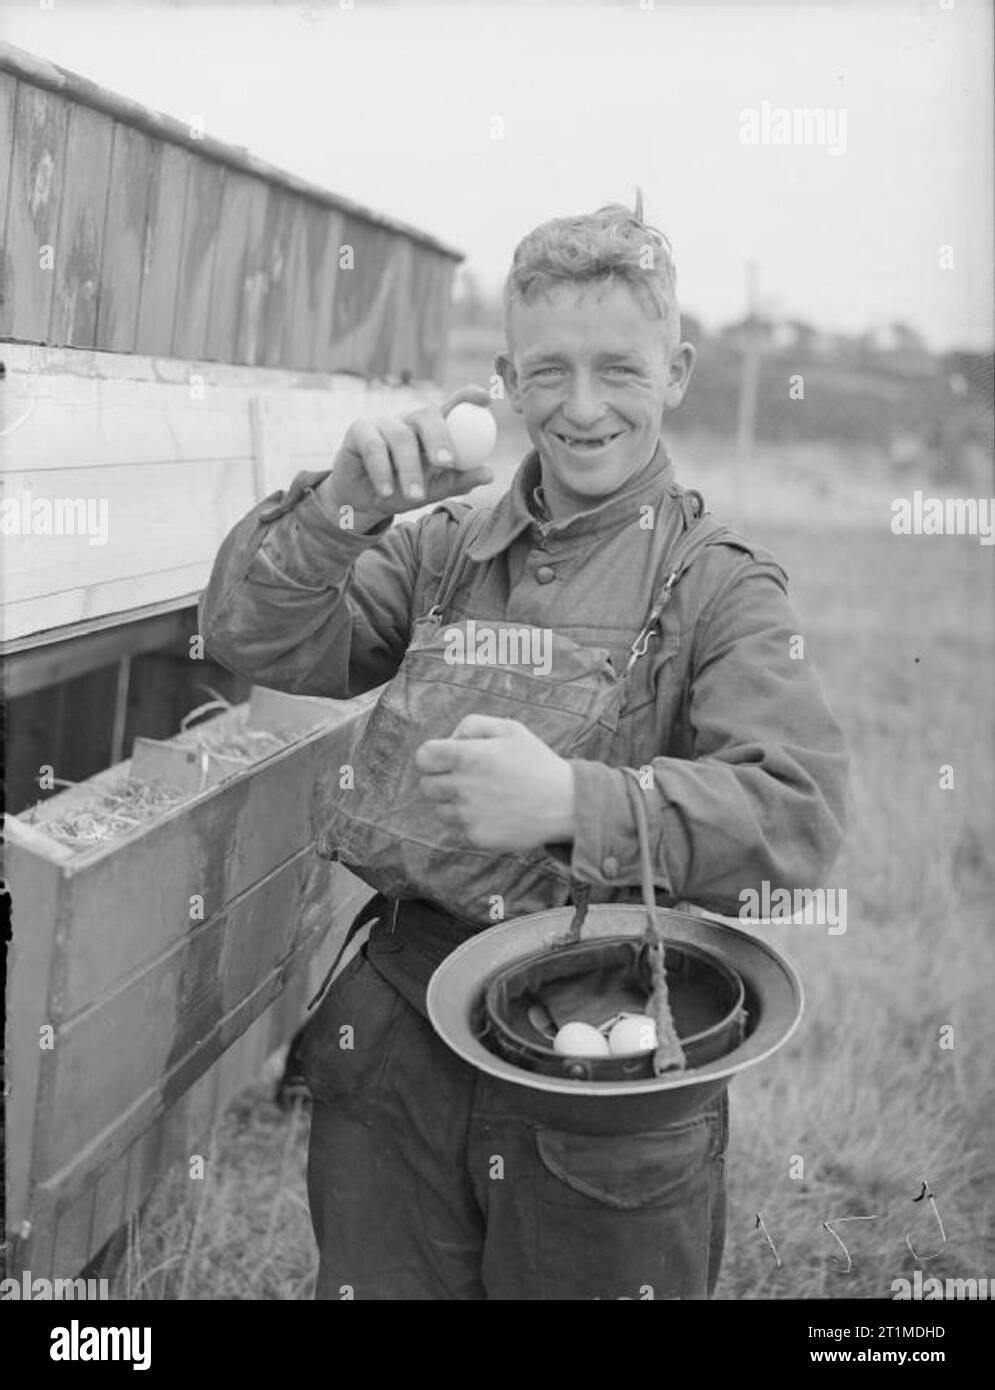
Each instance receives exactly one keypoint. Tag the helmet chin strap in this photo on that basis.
(669, 1053)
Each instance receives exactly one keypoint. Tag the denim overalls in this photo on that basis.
(389, 834)
(425, 1182)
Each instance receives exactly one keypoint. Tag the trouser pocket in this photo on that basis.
(634, 1215)
(637, 1216)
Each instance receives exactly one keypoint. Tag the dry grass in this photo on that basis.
(902, 632)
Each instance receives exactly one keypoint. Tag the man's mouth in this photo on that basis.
(587, 443)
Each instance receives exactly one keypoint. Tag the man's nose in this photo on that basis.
(584, 405)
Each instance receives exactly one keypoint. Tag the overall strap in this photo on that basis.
(701, 532)
(469, 527)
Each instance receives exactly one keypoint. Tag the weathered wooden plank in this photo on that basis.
(201, 1110)
(307, 265)
(33, 869)
(241, 1064)
(401, 351)
(282, 215)
(255, 281)
(34, 1239)
(74, 1222)
(52, 613)
(82, 215)
(73, 408)
(89, 424)
(200, 228)
(109, 1211)
(396, 309)
(322, 351)
(8, 97)
(431, 310)
(163, 248)
(365, 287)
(137, 521)
(240, 221)
(271, 467)
(117, 367)
(133, 163)
(37, 170)
(315, 425)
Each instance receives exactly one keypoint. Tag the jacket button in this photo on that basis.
(609, 867)
(545, 575)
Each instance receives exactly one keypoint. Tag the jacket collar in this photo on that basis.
(516, 510)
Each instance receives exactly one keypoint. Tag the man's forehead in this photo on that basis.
(595, 319)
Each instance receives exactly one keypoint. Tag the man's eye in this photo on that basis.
(548, 371)
(620, 371)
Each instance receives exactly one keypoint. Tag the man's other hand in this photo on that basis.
(499, 783)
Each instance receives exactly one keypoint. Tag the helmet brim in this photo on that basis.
(774, 1000)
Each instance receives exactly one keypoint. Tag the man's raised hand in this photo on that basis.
(393, 464)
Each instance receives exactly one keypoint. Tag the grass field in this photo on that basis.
(902, 630)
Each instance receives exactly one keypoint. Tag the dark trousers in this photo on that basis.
(425, 1184)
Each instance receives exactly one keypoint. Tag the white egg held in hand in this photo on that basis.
(473, 431)
(580, 1040)
(637, 1033)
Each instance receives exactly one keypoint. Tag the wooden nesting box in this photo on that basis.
(152, 975)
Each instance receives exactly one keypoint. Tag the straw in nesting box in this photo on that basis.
(115, 811)
(234, 739)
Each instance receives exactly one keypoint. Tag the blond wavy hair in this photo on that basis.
(610, 246)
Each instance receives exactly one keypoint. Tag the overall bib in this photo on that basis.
(424, 1181)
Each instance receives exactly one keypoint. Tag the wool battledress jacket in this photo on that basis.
(749, 765)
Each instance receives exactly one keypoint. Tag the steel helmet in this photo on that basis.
(498, 997)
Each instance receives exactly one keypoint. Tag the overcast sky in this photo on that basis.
(394, 106)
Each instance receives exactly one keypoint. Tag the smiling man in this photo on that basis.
(593, 364)
(497, 791)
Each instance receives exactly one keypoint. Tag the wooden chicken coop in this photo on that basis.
(182, 329)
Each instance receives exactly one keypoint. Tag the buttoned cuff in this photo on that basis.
(605, 848)
(305, 544)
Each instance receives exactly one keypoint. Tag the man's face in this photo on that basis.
(592, 372)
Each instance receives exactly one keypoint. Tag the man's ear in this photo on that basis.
(504, 365)
(682, 361)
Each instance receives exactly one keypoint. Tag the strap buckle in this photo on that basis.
(641, 645)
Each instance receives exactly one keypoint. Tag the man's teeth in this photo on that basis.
(590, 443)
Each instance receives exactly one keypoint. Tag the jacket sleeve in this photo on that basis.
(299, 603)
(762, 794)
